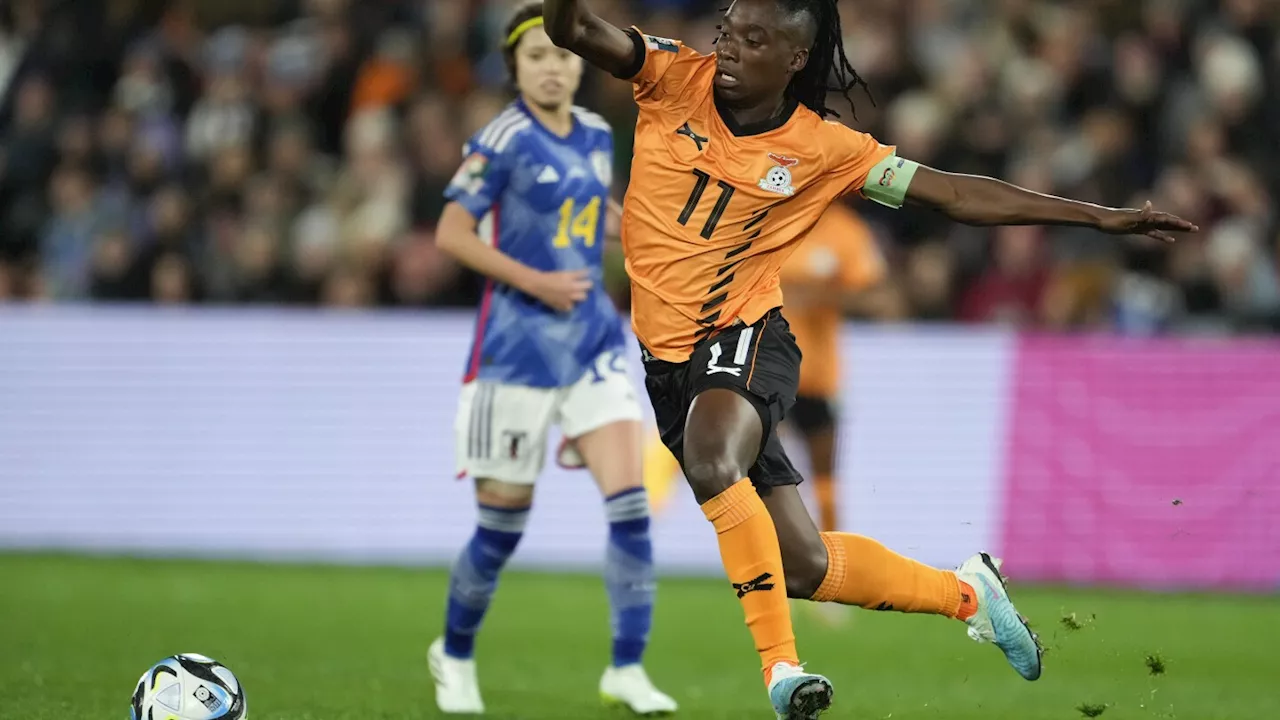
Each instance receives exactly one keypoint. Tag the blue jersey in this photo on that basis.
(541, 199)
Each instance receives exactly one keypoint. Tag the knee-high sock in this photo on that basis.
(861, 571)
(475, 576)
(753, 562)
(628, 574)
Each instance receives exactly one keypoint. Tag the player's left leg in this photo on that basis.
(856, 570)
(600, 418)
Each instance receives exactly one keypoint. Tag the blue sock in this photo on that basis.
(475, 576)
(628, 574)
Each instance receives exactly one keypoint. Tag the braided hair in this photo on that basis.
(828, 69)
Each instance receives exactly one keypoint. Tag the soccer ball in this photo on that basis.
(188, 687)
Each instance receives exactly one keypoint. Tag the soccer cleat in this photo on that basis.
(798, 695)
(457, 691)
(629, 686)
(997, 621)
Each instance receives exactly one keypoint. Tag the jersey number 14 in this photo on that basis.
(581, 224)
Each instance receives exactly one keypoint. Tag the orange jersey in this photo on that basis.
(713, 210)
(839, 256)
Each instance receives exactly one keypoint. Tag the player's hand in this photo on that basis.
(562, 289)
(1146, 222)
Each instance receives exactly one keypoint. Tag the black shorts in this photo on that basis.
(760, 362)
(813, 414)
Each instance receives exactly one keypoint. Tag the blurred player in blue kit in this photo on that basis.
(528, 209)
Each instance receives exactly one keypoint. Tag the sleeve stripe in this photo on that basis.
(495, 127)
(509, 133)
(591, 119)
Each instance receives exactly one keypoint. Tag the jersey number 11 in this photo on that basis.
(695, 197)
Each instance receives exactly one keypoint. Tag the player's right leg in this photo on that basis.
(501, 439)
(715, 431)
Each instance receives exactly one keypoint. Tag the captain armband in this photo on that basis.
(888, 181)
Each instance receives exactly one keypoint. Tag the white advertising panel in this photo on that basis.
(328, 436)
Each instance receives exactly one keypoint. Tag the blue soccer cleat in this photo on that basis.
(997, 620)
(798, 695)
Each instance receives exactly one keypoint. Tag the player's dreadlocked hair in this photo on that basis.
(828, 69)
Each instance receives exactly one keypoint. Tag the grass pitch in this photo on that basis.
(329, 643)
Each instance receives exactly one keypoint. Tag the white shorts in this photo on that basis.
(501, 429)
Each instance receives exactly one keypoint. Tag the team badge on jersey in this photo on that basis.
(602, 163)
(470, 177)
(778, 179)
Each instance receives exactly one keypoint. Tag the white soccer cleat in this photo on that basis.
(997, 621)
(630, 686)
(457, 691)
(798, 695)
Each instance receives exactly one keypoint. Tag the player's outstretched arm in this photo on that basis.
(456, 235)
(976, 200)
(571, 25)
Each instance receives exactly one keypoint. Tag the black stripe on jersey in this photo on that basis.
(727, 268)
(715, 300)
(727, 279)
(756, 219)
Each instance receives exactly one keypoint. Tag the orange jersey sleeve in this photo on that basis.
(854, 154)
(666, 67)
(714, 209)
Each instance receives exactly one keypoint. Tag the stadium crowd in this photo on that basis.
(296, 151)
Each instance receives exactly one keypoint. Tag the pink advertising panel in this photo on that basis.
(1144, 462)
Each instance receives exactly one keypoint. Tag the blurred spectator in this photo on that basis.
(297, 152)
(1011, 290)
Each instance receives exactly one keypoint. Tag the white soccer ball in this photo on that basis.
(188, 687)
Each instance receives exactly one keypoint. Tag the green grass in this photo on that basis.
(326, 643)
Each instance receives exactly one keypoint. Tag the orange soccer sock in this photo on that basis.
(824, 491)
(753, 561)
(861, 571)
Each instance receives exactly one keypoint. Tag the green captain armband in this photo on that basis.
(888, 181)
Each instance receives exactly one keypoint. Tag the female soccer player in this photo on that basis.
(733, 167)
(528, 210)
